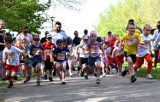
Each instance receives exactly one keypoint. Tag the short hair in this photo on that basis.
(147, 25)
(8, 40)
(58, 23)
(59, 41)
(75, 32)
(85, 31)
(130, 24)
(158, 23)
(1, 22)
(109, 32)
(24, 40)
(131, 20)
(25, 27)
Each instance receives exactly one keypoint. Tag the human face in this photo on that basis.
(49, 40)
(85, 41)
(93, 37)
(8, 45)
(70, 47)
(158, 26)
(1, 26)
(76, 34)
(104, 46)
(131, 29)
(147, 30)
(25, 44)
(57, 27)
(60, 46)
(25, 31)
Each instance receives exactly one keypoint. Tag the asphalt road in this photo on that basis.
(113, 88)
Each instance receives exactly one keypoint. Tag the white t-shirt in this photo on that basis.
(81, 47)
(12, 55)
(147, 39)
(61, 35)
(141, 52)
(21, 36)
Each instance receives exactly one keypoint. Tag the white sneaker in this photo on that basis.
(149, 76)
(154, 68)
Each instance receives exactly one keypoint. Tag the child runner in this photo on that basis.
(71, 59)
(144, 50)
(83, 54)
(108, 52)
(48, 48)
(104, 59)
(130, 40)
(118, 55)
(60, 59)
(35, 57)
(11, 60)
(94, 60)
(24, 60)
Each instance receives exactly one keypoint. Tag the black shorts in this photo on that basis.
(133, 57)
(84, 61)
(48, 64)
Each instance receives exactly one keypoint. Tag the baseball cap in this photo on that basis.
(85, 37)
(49, 36)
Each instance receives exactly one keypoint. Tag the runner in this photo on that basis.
(144, 51)
(83, 54)
(71, 59)
(10, 60)
(118, 55)
(130, 40)
(94, 60)
(24, 60)
(60, 59)
(48, 47)
(35, 57)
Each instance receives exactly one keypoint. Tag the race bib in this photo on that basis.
(48, 52)
(61, 56)
(11, 57)
(94, 51)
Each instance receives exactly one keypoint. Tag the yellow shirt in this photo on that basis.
(131, 42)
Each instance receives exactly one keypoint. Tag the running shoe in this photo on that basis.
(10, 85)
(50, 79)
(149, 76)
(133, 78)
(38, 82)
(63, 83)
(98, 81)
(124, 72)
(86, 76)
(26, 79)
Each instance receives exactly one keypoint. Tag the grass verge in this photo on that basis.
(143, 71)
(2, 83)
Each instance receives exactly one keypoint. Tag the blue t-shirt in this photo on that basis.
(60, 54)
(36, 50)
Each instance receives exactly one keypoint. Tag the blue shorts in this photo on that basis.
(34, 61)
(92, 60)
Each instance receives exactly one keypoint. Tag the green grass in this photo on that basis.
(143, 71)
(2, 83)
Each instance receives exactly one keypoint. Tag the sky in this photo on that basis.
(73, 20)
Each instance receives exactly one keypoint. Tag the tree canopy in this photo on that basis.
(116, 18)
(17, 13)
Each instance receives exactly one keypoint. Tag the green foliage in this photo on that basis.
(17, 13)
(115, 19)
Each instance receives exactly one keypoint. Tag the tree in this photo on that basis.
(17, 13)
(115, 19)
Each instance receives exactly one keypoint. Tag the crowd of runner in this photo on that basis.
(58, 55)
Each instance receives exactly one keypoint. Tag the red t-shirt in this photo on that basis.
(111, 42)
(48, 48)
